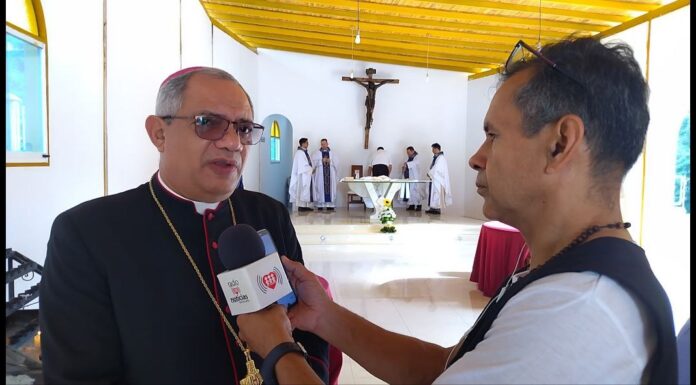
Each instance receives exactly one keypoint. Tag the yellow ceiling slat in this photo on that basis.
(374, 27)
(460, 35)
(233, 35)
(622, 5)
(293, 29)
(347, 53)
(417, 50)
(646, 17)
(327, 39)
(443, 65)
(239, 22)
(397, 14)
(609, 15)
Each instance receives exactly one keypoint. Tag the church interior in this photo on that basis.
(361, 74)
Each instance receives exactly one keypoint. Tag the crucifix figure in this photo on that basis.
(371, 86)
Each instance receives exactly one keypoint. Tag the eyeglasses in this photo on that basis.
(211, 127)
(522, 53)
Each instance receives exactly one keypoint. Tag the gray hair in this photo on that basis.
(171, 92)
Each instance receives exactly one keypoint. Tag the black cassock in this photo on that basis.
(121, 303)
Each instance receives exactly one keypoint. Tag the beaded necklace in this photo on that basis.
(583, 237)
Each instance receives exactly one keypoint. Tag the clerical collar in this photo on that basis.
(200, 206)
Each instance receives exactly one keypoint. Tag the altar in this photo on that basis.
(374, 190)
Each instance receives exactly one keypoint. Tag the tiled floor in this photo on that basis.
(414, 282)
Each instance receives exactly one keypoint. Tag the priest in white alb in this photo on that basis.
(301, 178)
(440, 194)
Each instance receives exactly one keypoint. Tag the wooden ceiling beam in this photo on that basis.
(266, 43)
(622, 5)
(240, 22)
(390, 59)
(607, 14)
(328, 38)
(406, 15)
(422, 51)
(471, 36)
(281, 19)
(392, 40)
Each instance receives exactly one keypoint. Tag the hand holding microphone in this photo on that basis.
(265, 329)
(312, 300)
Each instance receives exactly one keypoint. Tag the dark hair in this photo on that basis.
(436, 145)
(611, 99)
(303, 141)
(324, 140)
(380, 148)
(410, 148)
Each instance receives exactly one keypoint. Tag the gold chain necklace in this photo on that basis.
(253, 376)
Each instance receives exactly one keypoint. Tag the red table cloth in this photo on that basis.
(499, 247)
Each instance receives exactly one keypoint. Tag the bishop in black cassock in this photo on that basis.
(121, 303)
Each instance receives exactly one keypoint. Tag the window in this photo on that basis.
(275, 142)
(26, 117)
(682, 181)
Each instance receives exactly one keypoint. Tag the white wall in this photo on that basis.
(141, 51)
(481, 93)
(666, 228)
(308, 90)
(631, 197)
(243, 65)
(35, 195)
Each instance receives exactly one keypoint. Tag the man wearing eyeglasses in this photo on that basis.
(129, 292)
(561, 132)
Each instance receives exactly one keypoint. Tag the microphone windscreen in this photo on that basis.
(239, 246)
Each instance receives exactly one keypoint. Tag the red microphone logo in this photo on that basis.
(269, 280)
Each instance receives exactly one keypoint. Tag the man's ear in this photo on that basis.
(155, 130)
(566, 141)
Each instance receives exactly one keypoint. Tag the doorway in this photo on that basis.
(275, 156)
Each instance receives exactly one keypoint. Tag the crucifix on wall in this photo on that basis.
(371, 86)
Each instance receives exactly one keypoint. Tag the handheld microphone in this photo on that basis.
(254, 279)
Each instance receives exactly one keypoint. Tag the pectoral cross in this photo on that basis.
(371, 86)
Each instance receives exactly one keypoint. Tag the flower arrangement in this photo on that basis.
(387, 217)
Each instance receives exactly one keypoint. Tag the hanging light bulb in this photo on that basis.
(427, 58)
(539, 38)
(357, 35)
(352, 53)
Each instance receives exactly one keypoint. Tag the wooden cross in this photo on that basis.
(371, 86)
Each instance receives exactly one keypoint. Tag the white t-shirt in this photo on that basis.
(579, 328)
(381, 157)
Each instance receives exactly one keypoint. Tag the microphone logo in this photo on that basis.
(269, 280)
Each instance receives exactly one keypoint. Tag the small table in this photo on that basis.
(497, 253)
(374, 188)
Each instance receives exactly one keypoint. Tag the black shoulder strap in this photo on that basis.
(619, 260)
